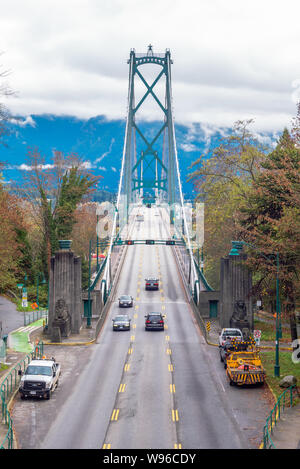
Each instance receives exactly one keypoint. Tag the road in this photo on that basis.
(146, 389)
(10, 318)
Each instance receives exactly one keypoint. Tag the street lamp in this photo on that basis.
(237, 246)
(88, 321)
(37, 288)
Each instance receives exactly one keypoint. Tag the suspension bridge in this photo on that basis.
(150, 176)
(146, 389)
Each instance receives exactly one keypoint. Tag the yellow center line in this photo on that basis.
(175, 416)
(169, 352)
(106, 446)
(115, 414)
(127, 367)
(134, 326)
(132, 338)
(172, 388)
(130, 350)
(177, 446)
(170, 367)
(122, 387)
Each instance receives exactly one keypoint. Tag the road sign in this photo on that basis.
(24, 298)
(257, 336)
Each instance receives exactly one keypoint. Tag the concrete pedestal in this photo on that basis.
(235, 285)
(65, 303)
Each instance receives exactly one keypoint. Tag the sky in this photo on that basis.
(232, 59)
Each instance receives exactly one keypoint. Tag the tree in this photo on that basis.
(222, 179)
(54, 191)
(15, 257)
(272, 220)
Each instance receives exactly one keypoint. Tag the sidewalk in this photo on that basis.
(286, 433)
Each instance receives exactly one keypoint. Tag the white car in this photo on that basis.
(40, 378)
(231, 333)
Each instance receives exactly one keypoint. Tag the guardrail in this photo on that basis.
(8, 386)
(275, 415)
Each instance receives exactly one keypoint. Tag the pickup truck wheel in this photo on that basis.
(48, 395)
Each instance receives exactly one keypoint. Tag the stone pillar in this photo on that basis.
(235, 285)
(64, 292)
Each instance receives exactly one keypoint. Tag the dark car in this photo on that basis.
(125, 301)
(154, 321)
(121, 323)
(152, 283)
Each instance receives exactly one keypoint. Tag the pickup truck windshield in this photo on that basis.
(39, 370)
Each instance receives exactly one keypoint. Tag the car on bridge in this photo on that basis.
(125, 301)
(154, 321)
(152, 283)
(121, 323)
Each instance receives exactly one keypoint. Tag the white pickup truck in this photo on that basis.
(40, 378)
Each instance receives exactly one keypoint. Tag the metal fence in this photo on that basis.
(286, 399)
(33, 316)
(7, 388)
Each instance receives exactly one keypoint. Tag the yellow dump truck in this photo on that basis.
(245, 366)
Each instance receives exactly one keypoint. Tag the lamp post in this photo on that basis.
(37, 288)
(88, 321)
(97, 244)
(235, 251)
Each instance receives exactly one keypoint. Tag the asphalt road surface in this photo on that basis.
(145, 389)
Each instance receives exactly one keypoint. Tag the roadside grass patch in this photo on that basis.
(287, 367)
(268, 330)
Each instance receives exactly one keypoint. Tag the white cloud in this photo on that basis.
(26, 167)
(232, 60)
(107, 152)
(23, 123)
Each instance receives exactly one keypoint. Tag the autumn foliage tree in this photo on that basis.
(272, 221)
(54, 191)
(222, 178)
(15, 258)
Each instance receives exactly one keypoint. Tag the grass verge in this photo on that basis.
(287, 367)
